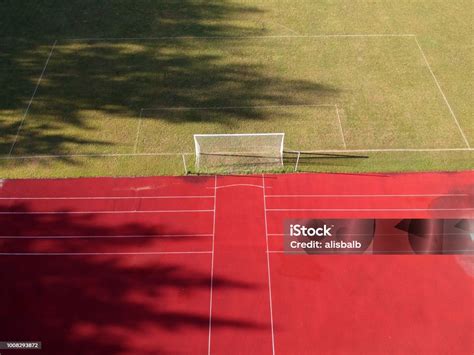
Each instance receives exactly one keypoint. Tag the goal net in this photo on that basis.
(239, 152)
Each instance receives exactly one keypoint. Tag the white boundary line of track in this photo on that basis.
(442, 94)
(236, 185)
(369, 196)
(368, 35)
(31, 99)
(212, 267)
(52, 237)
(111, 253)
(268, 262)
(381, 235)
(444, 252)
(106, 198)
(363, 209)
(102, 212)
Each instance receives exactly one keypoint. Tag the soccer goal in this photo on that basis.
(239, 152)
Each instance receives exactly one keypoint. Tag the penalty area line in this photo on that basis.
(442, 94)
(31, 99)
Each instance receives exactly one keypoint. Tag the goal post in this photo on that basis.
(243, 151)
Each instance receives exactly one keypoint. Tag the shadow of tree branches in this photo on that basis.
(105, 304)
(88, 85)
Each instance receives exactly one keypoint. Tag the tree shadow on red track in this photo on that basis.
(106, 304)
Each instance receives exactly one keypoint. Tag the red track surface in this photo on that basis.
(193, 265)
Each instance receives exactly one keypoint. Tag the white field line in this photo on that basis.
(364, 209)
(340, 126)
(268, 262)
(111, 253)
(103, 212)
(342, 35)
(106, 198)
(105, 155)
(210, 108)
(370, 196)
(102, 236)
(442, 93)
(138, 132)
(383, 150)
(212, 266)
(184, 164)
(286, 28)
(91, 155)
(31, 99)
(297, 161)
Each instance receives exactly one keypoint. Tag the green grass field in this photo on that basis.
(120, 88)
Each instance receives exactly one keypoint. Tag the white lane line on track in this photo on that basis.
(111, 253)
(236, 185)
(212, 267)
(368, 196)
(107, 198)
(268, 263)
(365, 209)
(102, 236)
(103, 212)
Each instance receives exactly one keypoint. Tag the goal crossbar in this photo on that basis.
(239, 151)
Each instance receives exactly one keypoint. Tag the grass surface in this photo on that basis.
(91, 97)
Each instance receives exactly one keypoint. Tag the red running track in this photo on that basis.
(193, 265)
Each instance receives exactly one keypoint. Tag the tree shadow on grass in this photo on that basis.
(106, 304)
(92, 92)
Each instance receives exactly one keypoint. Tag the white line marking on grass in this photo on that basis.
(91, 155)
(184, 163)
(102, 212)
(382, 150)
(106, 198)
(210, 108)
(381, 195)
(297, 161)
(31, 99)
(138, 131)
(241, 37)
(340, 126)
(364, 209)
(442, 94)
(212, 266)
(111, 253)
(268, 262)
(106, 155)
(102, 236)
(285, 27)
